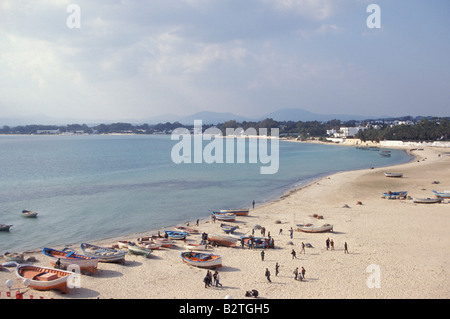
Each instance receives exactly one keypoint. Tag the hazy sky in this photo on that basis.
(138, 59)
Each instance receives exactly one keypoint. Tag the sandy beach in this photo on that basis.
(406, 243)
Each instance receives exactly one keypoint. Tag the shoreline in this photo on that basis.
(238, 270)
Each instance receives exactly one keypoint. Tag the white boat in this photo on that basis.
(310, 228)
(427, 200)
(138, 250)
(201, 260)
(389, 174)
(104, 254)
(237, 212)
(224, 216)
(43, 278)
(29, 214)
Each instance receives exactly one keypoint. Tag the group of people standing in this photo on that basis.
(208, 280)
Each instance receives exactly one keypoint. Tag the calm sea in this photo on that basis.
(95, 187)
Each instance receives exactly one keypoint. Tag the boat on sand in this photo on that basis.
(202, 260)
(445, 194)
(389, 174)
(43, 278)
(67, 258)
(222, 240)
(427, 200)
(310, 228)
(103, 254)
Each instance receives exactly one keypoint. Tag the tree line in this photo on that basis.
(424, 129)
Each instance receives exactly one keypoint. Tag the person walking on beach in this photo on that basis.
(294, 255)
(332, 244)
(262, 255)
(303, 248)
(277, 268)
(281, 230)
(303, 272)
(216, 279)
(253, 204)
(295, 273)
(327, 242)
(268, 275)
(345, 248)
(291, 232)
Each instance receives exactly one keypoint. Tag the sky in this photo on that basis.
(123, 59)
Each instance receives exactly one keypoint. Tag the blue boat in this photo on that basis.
(228, 228)
(395, 195)
(176, 234)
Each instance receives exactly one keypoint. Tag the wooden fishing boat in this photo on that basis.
(149, 245)
(237, 212)
(192, 246)
(67, 258)
(201, 260)
(222, 240)
(16, 257)
(228, 228)
(395, 195)
(427, 200)
(29, 214)
(4, 227)
(224, 216)
(138, 250)
(186, 229)
(310, 228)
(178, 235)
(165, 242)
(123, 244)
(103, 254)
(388, 174)
(258, 242)
(43, 278)
(445, 194)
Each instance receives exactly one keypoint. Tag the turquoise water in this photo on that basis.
(87, 188)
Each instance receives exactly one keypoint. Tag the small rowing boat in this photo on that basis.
(4, 227)
(165, 242)
(178, 235)
(138, 250)
(149, 245)
(67, 258)
(16, 257)
(237, 212)
(186, 229)
(388, 174)
(427, 200)
(224, 216)
(201, 260)
(228, 228)
(43, 278)
(445, 194)
(310, 228)
(103, 254)
(257, 242)
(29, 214)
(395, 195)
(222, 240)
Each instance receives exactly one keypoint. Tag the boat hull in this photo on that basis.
(441, 194)
(136, 250)
(43, 278)
(177, 235)
(394, 175)
(222, 240)
(237, 212)
(201, 260)
(195, 247)
(86, 263)
(427, 200)
(315, 229)
(230, 217)
(103, 254)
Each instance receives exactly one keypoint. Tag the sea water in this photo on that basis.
(94, 187)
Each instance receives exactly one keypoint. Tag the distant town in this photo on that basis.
(405, 128)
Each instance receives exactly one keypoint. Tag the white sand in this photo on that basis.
(408, 242)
